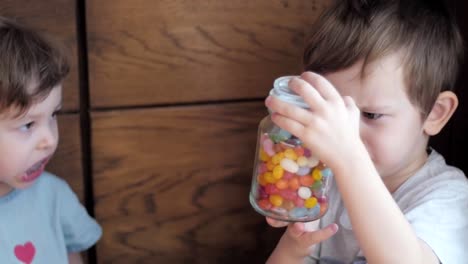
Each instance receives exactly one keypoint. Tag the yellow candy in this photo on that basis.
(276, 200)
(317, 174)
(263, 155)
(278, 172)
(277, 158)
(310, 202)
(268, 176)
(290, 154)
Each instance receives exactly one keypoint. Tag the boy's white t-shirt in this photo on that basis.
(435, 202)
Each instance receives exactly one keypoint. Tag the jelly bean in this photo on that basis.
(314, 211)
(270, 165)
(282, 184)
(308, 203)
(302, 161)
(289, 165)
(317, 185)
(288, 194)
(264, 204)
(294, 141)
(323, 208)
(262, 168)
(317, 192)
(268, 177)
(312, 162)
(303, 171)
(279, 135)
(298, 212)
(278, 148)
(294, 183)
(263, 155)
(287, 175)
(278, 172)
(326, 173)
(307, 153)
(306, 181)
(317, 174)
(304, 192)
(299, 202)
(322, 199)
(271, 189)
(288, 205)
(290, 154)
(268, 147)
(276, 200)
(261, 180)
(299, 151)
(276, 159)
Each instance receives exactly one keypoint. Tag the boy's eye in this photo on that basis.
(26, 127)
(371, 116)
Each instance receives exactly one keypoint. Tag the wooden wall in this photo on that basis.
(161, 111)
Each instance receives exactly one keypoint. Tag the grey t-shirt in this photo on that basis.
(435, 202)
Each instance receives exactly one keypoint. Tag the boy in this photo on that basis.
(41, 218)
(387, 69)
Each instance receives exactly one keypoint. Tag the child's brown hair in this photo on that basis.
(30, 66)
(424, 33)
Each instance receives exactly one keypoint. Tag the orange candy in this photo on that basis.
(264, 204)
(282, 184)
(276, 200)
(299, 151)
(294, 183)
(306, 180)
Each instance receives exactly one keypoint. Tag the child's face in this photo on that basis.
(27, 142)
(391, 126)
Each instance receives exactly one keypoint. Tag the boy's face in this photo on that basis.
(27, 142)
(391, 126)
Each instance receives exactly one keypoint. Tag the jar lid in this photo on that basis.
(281, 91)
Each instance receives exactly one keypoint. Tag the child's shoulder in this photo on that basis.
(435, 180)
(50, 180)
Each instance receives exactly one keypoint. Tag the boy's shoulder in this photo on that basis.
(435, 180)
(49, 180)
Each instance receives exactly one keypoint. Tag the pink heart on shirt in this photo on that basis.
(25, 253)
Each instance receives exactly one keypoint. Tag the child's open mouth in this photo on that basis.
(34, 171)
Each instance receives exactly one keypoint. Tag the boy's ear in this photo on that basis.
(443, 109)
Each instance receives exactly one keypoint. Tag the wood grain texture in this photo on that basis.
(171, 185)
(146, 52)
(57, 19)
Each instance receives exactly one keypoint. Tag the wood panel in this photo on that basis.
(57, 19)
(171, 185)
(66, 163)
(147, 52)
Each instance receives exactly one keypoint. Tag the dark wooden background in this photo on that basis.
(161, 110)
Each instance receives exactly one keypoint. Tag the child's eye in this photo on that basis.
(26, 127)
(371, 116)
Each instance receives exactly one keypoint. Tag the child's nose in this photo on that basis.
(48, 138)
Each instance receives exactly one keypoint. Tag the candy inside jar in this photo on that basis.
(289, 183)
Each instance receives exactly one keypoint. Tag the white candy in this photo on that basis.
(312, 162)
(304, 192)
(289, 165)
(302, 161)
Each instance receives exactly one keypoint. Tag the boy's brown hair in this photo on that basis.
(423, 31)
(30, 66)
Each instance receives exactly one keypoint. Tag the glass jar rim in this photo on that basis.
(282, 91)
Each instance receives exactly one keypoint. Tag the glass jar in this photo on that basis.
(289, 183)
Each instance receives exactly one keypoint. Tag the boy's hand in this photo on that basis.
(298, 240)
(330, 128)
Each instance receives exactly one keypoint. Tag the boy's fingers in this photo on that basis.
(287, 110)
(308, 93)
(275, 223)
(323, 86)
(320, 235)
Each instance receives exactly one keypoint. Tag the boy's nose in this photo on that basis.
(48, 138)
